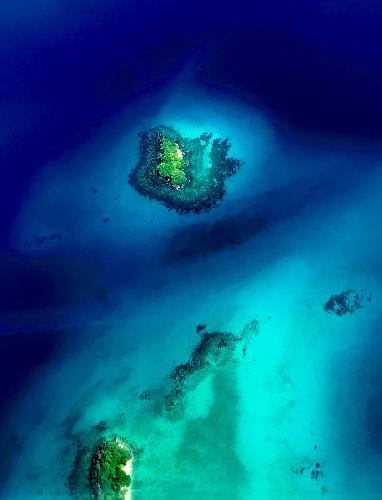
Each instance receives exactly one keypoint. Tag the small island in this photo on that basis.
(110, 470)
(185, 174)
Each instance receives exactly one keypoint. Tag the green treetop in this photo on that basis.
(171, 164)
(107, 466)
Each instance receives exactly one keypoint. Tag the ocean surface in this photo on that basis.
(102, 289)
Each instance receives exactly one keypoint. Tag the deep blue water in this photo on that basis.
(67, 69)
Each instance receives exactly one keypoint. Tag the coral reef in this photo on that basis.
(347, 302)
(313, 469)
(200, 327)
(40, 240)
(214, 350)
(186, 175)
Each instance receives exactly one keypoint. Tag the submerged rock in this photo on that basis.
(186, 175)
(200, 328)
(214, 350)
(347, 302)
(310, 467)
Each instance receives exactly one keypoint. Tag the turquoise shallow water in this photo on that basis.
(297, 416)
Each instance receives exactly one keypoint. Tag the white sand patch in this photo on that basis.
(128, 469)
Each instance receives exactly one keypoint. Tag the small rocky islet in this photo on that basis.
(185, 174)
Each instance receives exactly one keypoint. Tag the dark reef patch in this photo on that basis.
(40, 240)
(206, 166)
(314, 469)
(200, 328)
(347, 302)
(311, 468)
(214, 350)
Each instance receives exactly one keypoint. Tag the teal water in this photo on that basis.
(135, 286)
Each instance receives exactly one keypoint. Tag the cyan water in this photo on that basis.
(101, 289)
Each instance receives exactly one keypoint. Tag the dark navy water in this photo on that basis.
(70, 70)
(67, 69)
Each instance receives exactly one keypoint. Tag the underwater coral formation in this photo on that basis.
(347, 302)
(214, 350)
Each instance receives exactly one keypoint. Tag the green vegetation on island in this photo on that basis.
(102, 470)
(185, 174)
(171, 164)
(107, 476)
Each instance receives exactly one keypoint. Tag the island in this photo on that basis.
(185, 174)
(102, 470)
(110, 470)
